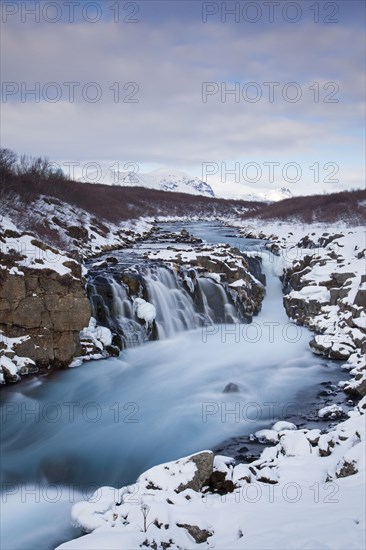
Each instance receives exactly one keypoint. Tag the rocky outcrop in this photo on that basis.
(241, 274)
(45, 311)
(326, 291)
(199, 535)
(203, 463)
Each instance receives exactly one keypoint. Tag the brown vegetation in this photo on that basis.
(26, 179)
(348, 206)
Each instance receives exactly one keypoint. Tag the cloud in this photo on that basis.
(169, 61)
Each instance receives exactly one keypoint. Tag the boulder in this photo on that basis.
(231, 388)
(204, 468)
(217, 483)
(186, 473)
(199, 535)
(346, 468)
(332, 411)
(360, 298)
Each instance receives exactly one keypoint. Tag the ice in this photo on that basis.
(145, 310)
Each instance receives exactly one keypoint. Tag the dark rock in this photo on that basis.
(133, 282)
(337, 294)
(204, 464)
(347, 468)
(117, 341)
(358, 391)
(217, 483)
(199, 535)
(231, 388)
(112, 260)
(113, 351)
(306, 242)
(326, 239)
(77, 232)
(360, 298)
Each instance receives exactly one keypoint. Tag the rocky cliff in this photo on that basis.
(43, 306)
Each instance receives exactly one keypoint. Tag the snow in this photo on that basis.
(240, 192)
(267, 436)
(214, 276)
(295, 443)
(318, 293)
(16, 364)
(8, 364)
(360, 322)
(145, 310)
(283, 425)
(301, 463)
(331, 411)
(238, 283)
(93, 336)
(33, 256)
(289, 503)
(165, 179)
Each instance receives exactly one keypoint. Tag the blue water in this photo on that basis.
(107, 421)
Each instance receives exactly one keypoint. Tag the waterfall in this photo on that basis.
(183, 301)
(174, 306)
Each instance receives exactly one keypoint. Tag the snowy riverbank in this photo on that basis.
(306, 491)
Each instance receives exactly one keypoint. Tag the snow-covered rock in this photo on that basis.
(289, 480)
(145, 311)
(331, 411)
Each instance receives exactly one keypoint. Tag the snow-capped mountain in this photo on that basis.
(279, 194)
(168, 179)
(273, 195)
(164, 179)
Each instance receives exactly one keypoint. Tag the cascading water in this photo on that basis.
(174, 306)
(182, 301)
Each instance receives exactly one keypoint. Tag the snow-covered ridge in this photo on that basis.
(163, 179)
(274, 195)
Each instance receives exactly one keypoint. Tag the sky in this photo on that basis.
(249, 96)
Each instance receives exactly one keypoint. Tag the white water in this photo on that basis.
(107, 421)
(174, 303)
(175, 311)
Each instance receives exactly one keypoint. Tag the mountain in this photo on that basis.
(168, 179)
(163, 179)
(274, 195)
(278, 194)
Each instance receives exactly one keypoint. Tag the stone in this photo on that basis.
(231, 388)
(332, 411)
(77, 232)
(217, 483)
(204, 468)
(360, 298)
(199, 535)
(346, 468)
(357, 390)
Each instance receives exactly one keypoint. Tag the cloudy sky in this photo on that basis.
(149, 82)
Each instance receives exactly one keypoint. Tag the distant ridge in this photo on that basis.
(162, 179)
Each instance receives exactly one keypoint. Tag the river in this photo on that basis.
(107, 421)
